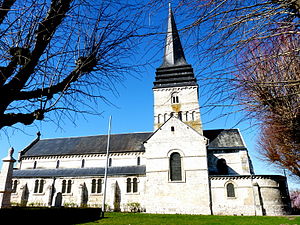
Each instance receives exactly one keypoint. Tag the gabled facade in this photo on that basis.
(173, 167)
(177, 168)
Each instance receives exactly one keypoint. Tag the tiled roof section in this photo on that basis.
(175, 76)
(224, 138)
(44, 173)
(119, 143)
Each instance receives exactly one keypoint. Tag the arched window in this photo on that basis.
(57, 164)
(180, 115)
(128, 185)
(159, 117)
(96, 186)
(110, 162)
(186, 116)
(82, 163)
(175, 167)
(64, 186)
(36, 186)
(41, 188)
(222, 167)
(34, 165)
(230, 190)
(69, 188)
(193, 115)
(14, 186)
(99, 186)
(138, 161)
(174, 98)
(165, 117)
(134, 185)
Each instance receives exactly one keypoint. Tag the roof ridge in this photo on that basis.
(98, 135)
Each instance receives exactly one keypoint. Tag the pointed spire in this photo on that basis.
(174, 54)
(174, 72)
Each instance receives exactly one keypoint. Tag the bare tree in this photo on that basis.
(268, 88)
(56, 55)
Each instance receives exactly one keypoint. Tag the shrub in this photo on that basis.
(134, 207)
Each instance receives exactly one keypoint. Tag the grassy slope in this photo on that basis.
(155, 219)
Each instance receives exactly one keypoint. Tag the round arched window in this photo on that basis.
(175, 167)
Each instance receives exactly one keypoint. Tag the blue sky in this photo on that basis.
(133, 111)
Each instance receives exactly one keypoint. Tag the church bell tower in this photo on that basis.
(175, 86)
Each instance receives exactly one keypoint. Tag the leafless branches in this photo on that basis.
(56, 52)
(268, 87)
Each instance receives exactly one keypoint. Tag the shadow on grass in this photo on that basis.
(43, 215)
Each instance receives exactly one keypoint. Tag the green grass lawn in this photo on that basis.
(153, 219)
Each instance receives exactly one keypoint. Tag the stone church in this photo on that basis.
(177, 168)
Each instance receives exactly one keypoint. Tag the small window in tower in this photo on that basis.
(174, 98)
(110, 162)
(34, 165)
(159, 117)
(172, 128)
(82, 163)
(193, 115)
(180, 115)
(165, 117)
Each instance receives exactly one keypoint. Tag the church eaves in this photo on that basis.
(174, 71)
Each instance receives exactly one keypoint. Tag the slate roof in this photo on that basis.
(122, 143)
(46, 173)
(224, 139)
(132, 142)
(175, 76)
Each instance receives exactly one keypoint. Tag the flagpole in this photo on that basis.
(106, 166)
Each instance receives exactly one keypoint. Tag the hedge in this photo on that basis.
(43, 215)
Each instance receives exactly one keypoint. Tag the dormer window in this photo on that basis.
(174, 98)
